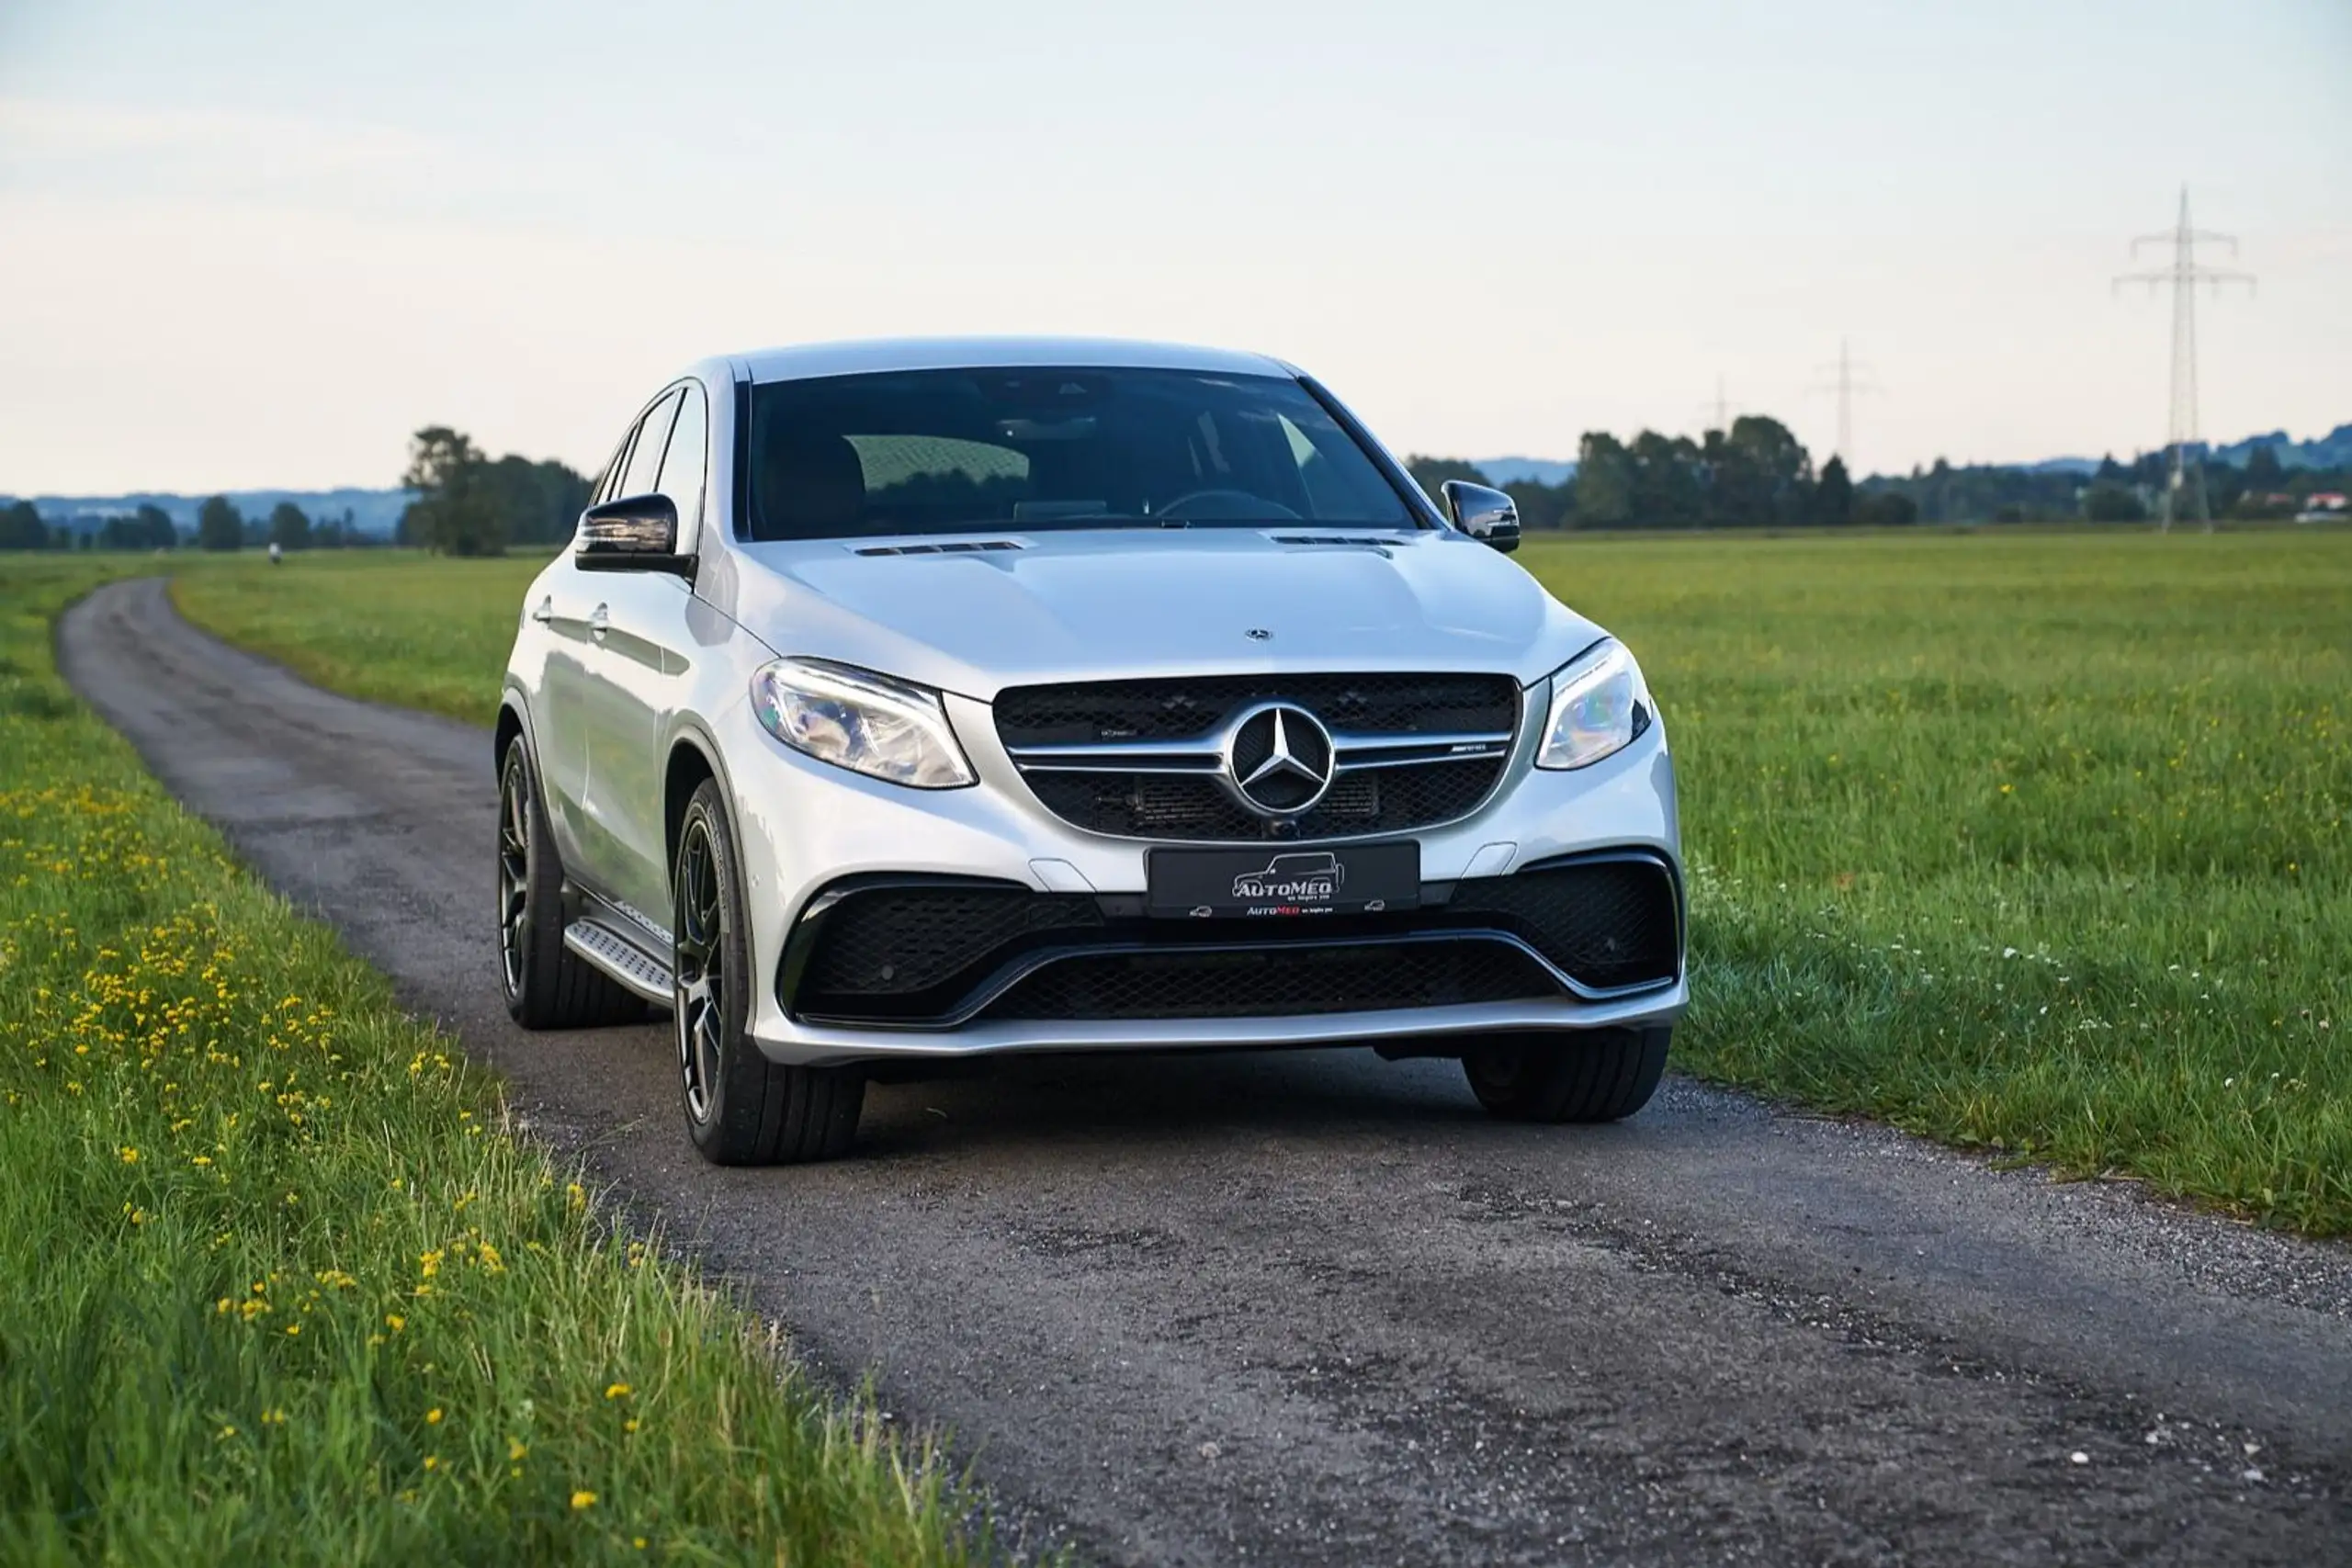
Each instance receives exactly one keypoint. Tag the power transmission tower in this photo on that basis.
(2182, 276)
(1719, 411)
(1850, 379)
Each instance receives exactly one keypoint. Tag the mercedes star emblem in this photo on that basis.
(1278, 760)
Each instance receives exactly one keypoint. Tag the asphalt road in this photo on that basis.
(1316, 1308)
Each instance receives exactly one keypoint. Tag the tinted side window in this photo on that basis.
(682, 467)
(645, 458)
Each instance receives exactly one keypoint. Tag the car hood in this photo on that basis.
(1122, 603)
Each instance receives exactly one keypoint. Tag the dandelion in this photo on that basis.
(395, 1321)
(433, 1417)
(432, 1462)
(516, 1448)
(130, 1155)
(583, 1500)
(618, 1391)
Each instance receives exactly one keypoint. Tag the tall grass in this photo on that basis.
(390, 626)
(276, 1284)
(2035, 842)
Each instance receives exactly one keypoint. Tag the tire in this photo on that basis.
(547, 985)
(1604, 1075)
(741, 1108)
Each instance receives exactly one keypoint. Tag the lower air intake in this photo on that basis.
(1276, 984)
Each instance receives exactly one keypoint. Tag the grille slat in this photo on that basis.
(1161, 805)
(1276, 984)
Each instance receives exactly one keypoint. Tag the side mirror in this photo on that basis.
(637, 533)
(1490, 516)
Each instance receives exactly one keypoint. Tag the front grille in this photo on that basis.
(1268, 984)
(931, 953)
(1183, 805)
(1609, 923)
(1180, 708)
(1195, 806)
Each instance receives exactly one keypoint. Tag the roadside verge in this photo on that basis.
(276, 1283)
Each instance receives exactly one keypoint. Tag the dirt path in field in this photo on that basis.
(1318, 1309)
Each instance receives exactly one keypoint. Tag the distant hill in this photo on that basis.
(1511, 470)
(375, 511)
(2333, 450)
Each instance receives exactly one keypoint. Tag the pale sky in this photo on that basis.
(246, 243)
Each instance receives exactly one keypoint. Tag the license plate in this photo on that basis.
(1275, 882)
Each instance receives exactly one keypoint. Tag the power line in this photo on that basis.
(1852, 378)
(2182, 276)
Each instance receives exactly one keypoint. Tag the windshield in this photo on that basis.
(948, 451)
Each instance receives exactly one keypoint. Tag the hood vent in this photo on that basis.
(947, 547)
(1370, 541)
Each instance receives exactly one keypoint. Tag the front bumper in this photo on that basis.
(807, 831)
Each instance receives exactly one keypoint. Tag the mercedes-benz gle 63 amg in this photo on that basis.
(915, 700)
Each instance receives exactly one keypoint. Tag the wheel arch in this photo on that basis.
(511, 722)
(693, 758)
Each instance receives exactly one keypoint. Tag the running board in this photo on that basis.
(627, 963)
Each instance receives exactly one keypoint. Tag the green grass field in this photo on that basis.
(2028, 841)
(276, 1286)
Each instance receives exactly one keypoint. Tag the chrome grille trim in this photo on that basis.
(1351, 752)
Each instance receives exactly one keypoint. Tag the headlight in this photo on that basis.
(857, 719)
(1599, 705)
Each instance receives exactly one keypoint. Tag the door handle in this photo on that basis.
(544, 611)
(600, 621)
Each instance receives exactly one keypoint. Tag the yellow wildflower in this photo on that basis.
(583, 1499)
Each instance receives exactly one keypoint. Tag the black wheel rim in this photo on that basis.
(514, 869)
(701, 1010)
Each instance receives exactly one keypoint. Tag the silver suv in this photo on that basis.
(918, 700)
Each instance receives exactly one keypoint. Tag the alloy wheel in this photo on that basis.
(701, 1010)
(513, 867)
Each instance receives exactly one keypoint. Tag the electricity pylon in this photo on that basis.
(1718, 410)
(2182, 276)
(1850, 379)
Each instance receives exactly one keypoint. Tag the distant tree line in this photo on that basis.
(1757, 474)
(220, 526)
(467, 503)
(470, 504)
(2113, 492)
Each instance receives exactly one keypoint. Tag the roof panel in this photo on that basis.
(803, 361)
